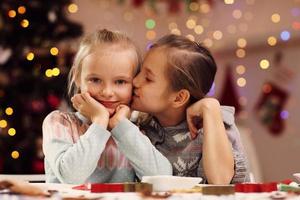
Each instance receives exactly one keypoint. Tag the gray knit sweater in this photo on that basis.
(176, 144)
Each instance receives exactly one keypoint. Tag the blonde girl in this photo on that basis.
(78, 146)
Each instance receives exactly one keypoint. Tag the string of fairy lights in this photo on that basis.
(198, 28)
(30, 56)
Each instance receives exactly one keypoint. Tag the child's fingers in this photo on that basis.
(86, 97)
(192, 128)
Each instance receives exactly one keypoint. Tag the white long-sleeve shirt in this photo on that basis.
(78, 152)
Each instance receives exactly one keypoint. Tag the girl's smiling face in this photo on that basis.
(107, 74)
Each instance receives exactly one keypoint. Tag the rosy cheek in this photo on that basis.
(92, 90)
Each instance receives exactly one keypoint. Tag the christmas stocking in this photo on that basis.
(269, 107)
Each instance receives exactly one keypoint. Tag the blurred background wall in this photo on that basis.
(255, 43)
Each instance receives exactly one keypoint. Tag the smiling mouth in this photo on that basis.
(109, 104)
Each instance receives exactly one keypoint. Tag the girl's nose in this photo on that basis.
(107, 91)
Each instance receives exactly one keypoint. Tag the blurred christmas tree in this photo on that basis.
(32, 80)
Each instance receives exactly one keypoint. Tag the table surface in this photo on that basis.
(65, 191)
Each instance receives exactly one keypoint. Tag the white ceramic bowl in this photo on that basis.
(168, 183)
(297, 176)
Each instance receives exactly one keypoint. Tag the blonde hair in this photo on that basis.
(93, 41)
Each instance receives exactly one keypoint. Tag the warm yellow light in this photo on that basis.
(12, 13)
(272, 41)
(275, 18)
(48, 73)
(172, 26)
(264, 64)
(242, 42)
(240, 53)
(218, 35)
(176, 31)
(198, 29)
(30, 56)
(228, 1)
(9, 111)
(55, 71)
(11, 131)
(241, 82)
(73, 8)
(3, 123)
(24, 23)
(190, 23)
(240, 69)
(54, 51)
(21, 9)
(15, 154)
(191, 37)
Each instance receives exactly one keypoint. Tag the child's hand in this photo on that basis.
(122, 112)
(91, 108)
(196, 112)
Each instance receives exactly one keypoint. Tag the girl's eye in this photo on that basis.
(95, 80)
(120, 82)
(148, 80)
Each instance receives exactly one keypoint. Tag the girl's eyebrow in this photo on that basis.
(126, 77)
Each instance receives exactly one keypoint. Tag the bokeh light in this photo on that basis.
(24, 23)
(228, 1)
(272, 41)
(3, 123)
(240, 69)
(285, 35)
(284, 114)
(198, 29)
(240, 53)
(150, 35)
(30, 56)
(218, 35)
(12, 13)
(15, 154)
(11, 132)
(241, 42)
(54, 51)
(21, 10)
(9, 111)
(55, 71)
(150, 24)
(73, 8)
(264, 64)
(191, 23)
(241, 82)
(275, 18)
